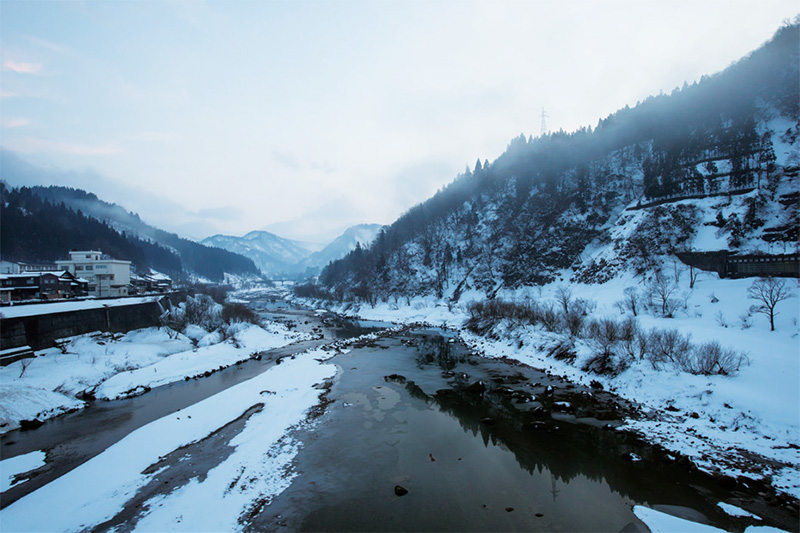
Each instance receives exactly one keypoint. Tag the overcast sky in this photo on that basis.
(307, 117)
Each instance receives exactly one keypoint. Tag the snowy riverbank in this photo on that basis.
(719, 421)
(253, 470)
(114, 366)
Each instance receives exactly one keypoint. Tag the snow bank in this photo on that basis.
(111, 366)
(10, 468)
(98, 489)
(250, 339)
(659, 522)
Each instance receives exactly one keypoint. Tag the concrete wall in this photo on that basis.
(41, 331)
(743, 266)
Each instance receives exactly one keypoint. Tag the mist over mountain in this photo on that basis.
(274, 255)
(41, 224)
(548, 207)
(360, 235)
(280, 257)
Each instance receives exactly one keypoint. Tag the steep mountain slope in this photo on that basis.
(547, 207)
(360, 235)
(147, 246)
(274, 255)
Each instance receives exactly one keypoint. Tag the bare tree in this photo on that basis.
(768, 292)
(564, 297)
(693, 272)
(662, 288)
(677, 269)
(631, 300)
(24, 364)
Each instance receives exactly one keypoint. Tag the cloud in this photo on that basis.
(21, 67)
(289, 160)
(49, 45)
(153, 208)
(226, 213)
(30, 145)
(419, 180)
(14, 122)
(323, 224)
(285, 159)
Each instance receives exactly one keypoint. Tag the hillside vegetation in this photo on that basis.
(42, 224)
(599, 200)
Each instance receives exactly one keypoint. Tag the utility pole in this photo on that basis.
(544, 123)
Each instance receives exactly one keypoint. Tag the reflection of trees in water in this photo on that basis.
(436, 350)
(575, 450)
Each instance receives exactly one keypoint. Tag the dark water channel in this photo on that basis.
(74, 438)
(422, 436)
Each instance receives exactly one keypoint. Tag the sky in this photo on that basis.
(304, 118)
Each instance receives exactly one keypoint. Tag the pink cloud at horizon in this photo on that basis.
(22, 67)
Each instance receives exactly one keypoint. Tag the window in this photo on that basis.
(79, 267)
(89, 267)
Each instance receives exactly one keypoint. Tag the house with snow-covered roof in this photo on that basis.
(41, 285)
(152, 282)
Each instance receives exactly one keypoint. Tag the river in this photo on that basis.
(417, 433)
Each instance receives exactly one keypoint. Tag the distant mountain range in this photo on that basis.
(276, 256)
(271, 253)
(42, 224)
(86, 221)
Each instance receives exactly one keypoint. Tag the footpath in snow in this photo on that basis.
(718, 421)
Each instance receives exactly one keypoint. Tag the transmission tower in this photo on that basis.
(544, 123)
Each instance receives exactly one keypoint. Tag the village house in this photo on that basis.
(41, 285)
(152, 282)
(107, 277)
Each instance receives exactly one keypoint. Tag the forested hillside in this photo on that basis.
(42, 224)
(545, 203)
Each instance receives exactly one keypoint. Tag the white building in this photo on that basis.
(9, 267)
(107, 277)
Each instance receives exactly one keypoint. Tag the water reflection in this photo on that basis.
(474, 458)
(438, 350)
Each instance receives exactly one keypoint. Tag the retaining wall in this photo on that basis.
(728, 265)
(41, 331)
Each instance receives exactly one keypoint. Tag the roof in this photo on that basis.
(57, 273)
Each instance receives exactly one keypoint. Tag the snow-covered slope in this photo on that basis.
(362, 234)
(710, 167)
(277, 256)
(272, 254)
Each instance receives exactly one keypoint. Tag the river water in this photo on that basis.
(420, 434)
(411, 442)
(74, 438)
